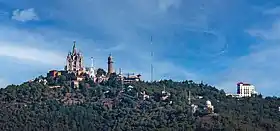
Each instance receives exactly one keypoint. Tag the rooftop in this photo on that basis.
(243, 84)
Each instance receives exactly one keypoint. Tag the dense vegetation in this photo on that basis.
(111, 106)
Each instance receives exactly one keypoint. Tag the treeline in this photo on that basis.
(111, 106)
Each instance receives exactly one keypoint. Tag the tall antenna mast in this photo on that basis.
(120, 73)
(152, 54)
(91, 62)
(189, 102)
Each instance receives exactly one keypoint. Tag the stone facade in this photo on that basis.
(74, 61)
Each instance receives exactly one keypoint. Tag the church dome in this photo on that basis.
(208, 102)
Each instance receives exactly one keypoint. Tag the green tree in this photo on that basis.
(62, 79)
(34, 106)
(100, 72)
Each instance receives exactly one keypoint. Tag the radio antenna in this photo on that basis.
(152, 54)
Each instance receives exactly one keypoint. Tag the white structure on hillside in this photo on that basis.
(164, 94)
(245, 90)
(209, 107)
(145, 96)
(194, 108)
(92, 72)
(233, 95)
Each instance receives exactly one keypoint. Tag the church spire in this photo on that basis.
(74, 47)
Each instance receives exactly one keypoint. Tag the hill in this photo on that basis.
(111, 106)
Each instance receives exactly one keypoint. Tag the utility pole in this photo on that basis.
(190, 113)
(120, 73)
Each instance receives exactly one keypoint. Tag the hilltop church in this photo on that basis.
(75, 64)
(74, 61)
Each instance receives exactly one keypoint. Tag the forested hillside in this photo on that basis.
(111, 106)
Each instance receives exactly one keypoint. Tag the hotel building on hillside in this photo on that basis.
(244, 90)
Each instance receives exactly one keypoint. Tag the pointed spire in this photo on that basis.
(120, 71)
(74, 47)
(91, 62)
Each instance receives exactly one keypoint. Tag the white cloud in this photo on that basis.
(118, 47)
(3, 13)
(273, 11)
(269, 34)
(170, 70)
(25, 53)
(3, 83)
(25, 15)
(261, 66)
(30, 46)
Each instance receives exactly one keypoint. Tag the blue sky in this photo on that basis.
(220, 42)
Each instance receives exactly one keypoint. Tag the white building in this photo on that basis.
(233, 95)
(164, 94)
(194, 108)
(145, 96)
(92, 71)
(209, 107)
(245, 90)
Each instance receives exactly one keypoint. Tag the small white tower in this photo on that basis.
(208, 103)
(92, 70)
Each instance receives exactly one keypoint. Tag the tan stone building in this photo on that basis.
(74, 61)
